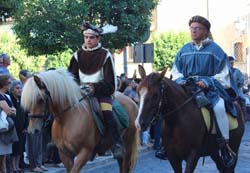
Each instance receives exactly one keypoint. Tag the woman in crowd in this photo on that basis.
(21, 123)
(6, 106)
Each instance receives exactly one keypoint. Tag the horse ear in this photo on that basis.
(142, 71)
(134, 75)
(162, 74)
(38, 82)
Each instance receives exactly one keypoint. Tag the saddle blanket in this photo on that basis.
(233, 123)
(119, 113)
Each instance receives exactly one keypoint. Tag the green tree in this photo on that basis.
(9, 6)
(52, 26)
(59, 60)
(19, 58)
(166, 46)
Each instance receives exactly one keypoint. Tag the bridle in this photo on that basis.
(46, 113)
(159, 113)
(159, 109)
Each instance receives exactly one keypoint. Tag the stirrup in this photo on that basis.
(118, 151)
(228, 156)
(161, 154)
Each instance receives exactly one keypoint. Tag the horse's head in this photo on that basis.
(47, 93)
(150, 91)
(35, 99)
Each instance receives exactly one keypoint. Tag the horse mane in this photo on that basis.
(61, 85)
(181, 90)
(153, 79)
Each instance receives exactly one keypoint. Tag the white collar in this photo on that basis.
(91, 49)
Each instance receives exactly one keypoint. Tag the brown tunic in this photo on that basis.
(89, 62)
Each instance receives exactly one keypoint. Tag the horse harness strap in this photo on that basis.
(47, 105)
(158, 114)
(39, 116)
(185, 102)
(70, 106)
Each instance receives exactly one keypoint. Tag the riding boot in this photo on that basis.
(227, 155)
(117, 148)
(161, 154)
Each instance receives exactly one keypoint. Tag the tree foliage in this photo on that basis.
(9, 6)
(19, 58)
(49, 26)
(52, 26)
(166, 46)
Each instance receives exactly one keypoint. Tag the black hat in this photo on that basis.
(231, 59)
(201, 20)
(91, 29)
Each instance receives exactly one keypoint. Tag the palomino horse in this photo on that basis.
(184, 133)
(74, 130)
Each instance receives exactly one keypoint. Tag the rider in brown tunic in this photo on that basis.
(93, 67)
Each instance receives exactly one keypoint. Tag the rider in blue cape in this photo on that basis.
(203, 61)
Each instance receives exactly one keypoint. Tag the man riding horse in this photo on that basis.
(93, 67)
(205, 63)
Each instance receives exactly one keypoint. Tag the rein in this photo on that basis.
(185, 102)
(159, 112)
(46, 114)
(70, 106)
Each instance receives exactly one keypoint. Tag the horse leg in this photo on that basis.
(217, 160)
(67, 161)
(175, 162)
(81, 159)
(191, 161)
(120, 161)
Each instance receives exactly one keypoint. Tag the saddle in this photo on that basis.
(205, 106)
(209, 121)
(118, 110)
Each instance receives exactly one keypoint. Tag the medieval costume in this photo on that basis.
(203, 61)
(93, 68)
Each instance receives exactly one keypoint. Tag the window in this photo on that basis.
(238, 51)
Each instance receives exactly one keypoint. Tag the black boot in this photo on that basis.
(227, 155)
(161, 154)
(117, 148)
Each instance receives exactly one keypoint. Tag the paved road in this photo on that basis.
(148, 163)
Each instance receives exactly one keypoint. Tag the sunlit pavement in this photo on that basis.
(243, 165)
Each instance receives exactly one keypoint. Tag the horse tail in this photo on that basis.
(131, 142)
(134, 152)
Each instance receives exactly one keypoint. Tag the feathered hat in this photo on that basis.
(88, 28)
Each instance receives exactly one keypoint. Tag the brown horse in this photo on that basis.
(74, 130)
(184, 133)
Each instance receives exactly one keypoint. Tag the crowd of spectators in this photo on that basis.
(33, 150)
(26, 150)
